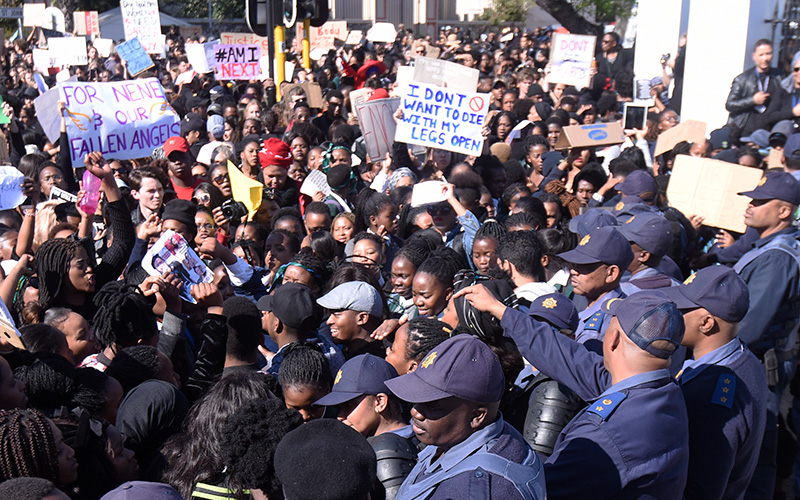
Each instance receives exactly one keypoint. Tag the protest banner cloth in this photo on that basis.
(122, 120)
(706, 187)
(448, 74)
(442, 118)
(172, 254)
(376, 120)
(245, 39)
(201, 56)
(688, 130)
(86, 22)
(245, 190)
(237, 62)
(33, 14)
(11, 195)
(322, 38)
(68, 51)
(135, 56)
(571, 59)
(141, 19)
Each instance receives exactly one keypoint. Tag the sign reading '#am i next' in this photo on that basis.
(237, 62)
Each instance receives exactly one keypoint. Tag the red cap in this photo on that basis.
(275, 152)
(378, 94)
(175, 144)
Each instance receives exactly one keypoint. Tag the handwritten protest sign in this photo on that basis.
(11, 188)
(86, 22)
(201, 56)
(237, 62)
(141, 19)
(322, 38)
(122, 120)
(245, 39)
(68, 51)
(445, 74)
(359, 97)
(135, 56)
(571, 59)
(377, 123)
(33, 14)
(443, 118)
(172, 254)
(705, 187)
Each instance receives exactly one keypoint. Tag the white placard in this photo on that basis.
(140, 18)
(571, 59)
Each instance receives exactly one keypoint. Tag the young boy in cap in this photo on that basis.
(771, 270)
(368, 406)
(355, 310)
(633, 436)
(597, 265)
(456, 393)
(289, 315)
(724, 385)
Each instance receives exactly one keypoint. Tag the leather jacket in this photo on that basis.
(740, 99)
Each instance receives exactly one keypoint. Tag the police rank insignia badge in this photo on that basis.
(726, 387)
(338, 377)
(428, 361)
(585, 240)
(549, 303)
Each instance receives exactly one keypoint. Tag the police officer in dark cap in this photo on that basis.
(456, 391)
(632, 439)
(596, 266)
(650, 236)
(771, 270)
(724, 385)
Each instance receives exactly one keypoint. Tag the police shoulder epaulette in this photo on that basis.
(606, 405)
(595, 321)
(723, 394)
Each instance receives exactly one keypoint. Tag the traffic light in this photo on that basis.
(298, 10)
(256, 14)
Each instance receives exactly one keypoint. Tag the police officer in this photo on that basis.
(632, 439)
(471, 452)
(596, 266)
(724, 385)
(771, 270)
(650, 237)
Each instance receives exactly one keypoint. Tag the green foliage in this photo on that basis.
(506, 11)
(605, 10)
(220, 9)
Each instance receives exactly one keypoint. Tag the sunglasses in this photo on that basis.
(795, 69)
(440, 210)
(218, 179)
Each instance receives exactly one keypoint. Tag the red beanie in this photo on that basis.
(275, 152)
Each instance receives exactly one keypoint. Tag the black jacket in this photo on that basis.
(740, 102)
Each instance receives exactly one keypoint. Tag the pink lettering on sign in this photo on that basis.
(237, 62)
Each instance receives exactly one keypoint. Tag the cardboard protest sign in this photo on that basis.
(122, 120)
(359, 97)
(33, 14)
(172, 254)
(135, 56)
(43, 60)
(245, 190)
(86, 22)
(103, 46)
(312, 90)
(201, 56)
(571, 58)
(445, 74)
(354, 37)
(322, 38)
(598, 134)
(428, 192)
(689, 130)
(376, 120)
(11, 188)
(70, 51)
(442, 118)
(245, 39)
(701, 186)
(237, 62)
(775, 159)
(382, 33)
(141, 19)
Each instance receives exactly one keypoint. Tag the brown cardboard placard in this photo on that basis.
(598, 134)
(775, 159)
(706, 187)
(690, 131)
(312, 89)
(358, 97)
(10, 334)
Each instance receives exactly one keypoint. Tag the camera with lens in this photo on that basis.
(233, 209)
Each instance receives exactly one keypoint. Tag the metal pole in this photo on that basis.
(306, 44)
(280, 59)
(210, 29)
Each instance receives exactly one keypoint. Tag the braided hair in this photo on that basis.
(27, 446)
(124, 316)
(304, 365)
(415, 252)
(370, 203)
(53, 262)
(424, 334)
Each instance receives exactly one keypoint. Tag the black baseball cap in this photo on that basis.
(294, 304)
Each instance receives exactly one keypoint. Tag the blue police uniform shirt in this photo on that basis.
(726, 399)
(498, 438)
(594, 322)
(650, 278)
(632, 439)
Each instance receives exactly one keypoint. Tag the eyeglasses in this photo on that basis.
(440, 210)
(207, 226)
(795, 69)
(202, 198)
(218, 179)
(53, 178)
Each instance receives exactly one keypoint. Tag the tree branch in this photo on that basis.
(566, 14)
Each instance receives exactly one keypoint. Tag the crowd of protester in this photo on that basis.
(553, 328)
